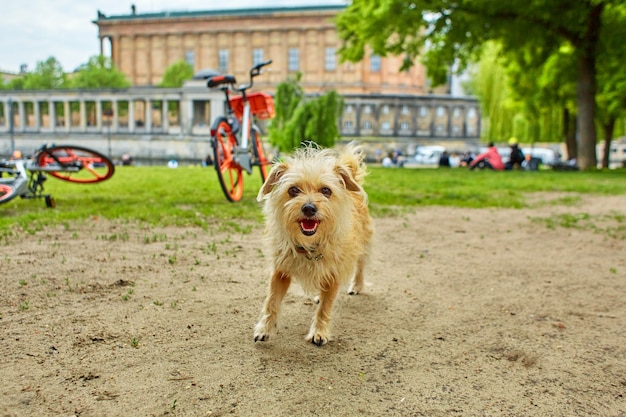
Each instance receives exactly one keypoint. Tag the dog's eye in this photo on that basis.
(326, 191)
(294, 191)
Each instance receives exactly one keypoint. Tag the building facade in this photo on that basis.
(297, 39)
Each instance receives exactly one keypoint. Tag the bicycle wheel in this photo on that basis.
(7, 193)
(259, 154)
(229, 172)
(76, 164)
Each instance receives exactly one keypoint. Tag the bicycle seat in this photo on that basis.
(220, 80)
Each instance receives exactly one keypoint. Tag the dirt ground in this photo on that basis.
(466, 312)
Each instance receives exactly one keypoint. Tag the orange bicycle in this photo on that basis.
(235, 139)
(26, 177)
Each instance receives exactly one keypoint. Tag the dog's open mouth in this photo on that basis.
(309, 226)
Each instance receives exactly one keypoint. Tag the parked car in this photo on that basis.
(428, 155)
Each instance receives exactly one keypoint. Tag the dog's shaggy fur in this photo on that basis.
(318, 231)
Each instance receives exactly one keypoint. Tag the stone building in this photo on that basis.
(297, 39)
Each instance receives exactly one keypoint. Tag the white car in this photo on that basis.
(428, 155)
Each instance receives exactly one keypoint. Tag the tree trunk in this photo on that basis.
(585, 97)
(586, 90)
(569, 134)
(607, 129)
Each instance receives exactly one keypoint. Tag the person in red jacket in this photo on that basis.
(489, 159)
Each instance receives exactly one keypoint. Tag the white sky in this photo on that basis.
(34, 30)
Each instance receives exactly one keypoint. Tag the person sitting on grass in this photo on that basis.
(517, 159)
(490, 159)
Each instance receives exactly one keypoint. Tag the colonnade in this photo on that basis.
(127, 111)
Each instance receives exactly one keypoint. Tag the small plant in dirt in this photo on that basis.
(128, 294)
(134, 342)
(25, 305)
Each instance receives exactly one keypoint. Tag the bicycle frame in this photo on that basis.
(242, 156)
(24, 185)
(18, 168)
(235, 139)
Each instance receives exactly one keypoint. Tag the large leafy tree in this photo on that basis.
(99, 72)
(445, 32)
(611, 97)
(176, 74)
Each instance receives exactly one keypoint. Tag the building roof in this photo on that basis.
(220, 12)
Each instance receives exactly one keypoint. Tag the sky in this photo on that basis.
(32, 31)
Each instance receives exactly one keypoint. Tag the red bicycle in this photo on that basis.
(235, 138)
(25, 177)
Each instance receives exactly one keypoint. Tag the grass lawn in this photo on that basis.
(191, 195)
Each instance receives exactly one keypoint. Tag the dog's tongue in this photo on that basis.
(308, 225)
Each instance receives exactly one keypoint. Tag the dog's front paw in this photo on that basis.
(354, 289)
(317, 337)
(262, 332)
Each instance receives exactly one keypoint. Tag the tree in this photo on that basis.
(13, 84)
(47, 75)
(289, 94)
(447, 32)
(176, 74)
(299, 120)
(99, 72)
(611, 97)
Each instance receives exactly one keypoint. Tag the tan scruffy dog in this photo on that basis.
(318, 231)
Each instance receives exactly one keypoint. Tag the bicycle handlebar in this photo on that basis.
(256, 70)
(217, 80)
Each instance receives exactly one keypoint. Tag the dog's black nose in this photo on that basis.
(309, 209)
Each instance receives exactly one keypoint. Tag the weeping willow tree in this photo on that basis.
(490, 85)
(511, 101)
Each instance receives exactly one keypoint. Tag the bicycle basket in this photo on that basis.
(261, 105)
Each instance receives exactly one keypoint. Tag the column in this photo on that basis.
(165, 122)
(396, 116)
(66, 111)
(149, 59)
(358, 109)
(83, 116)
(131, 115)
(115, 122)
(52, 114)
(37, 114)
(99, 114)
(22, 115)
(186, 115)
(148, 118)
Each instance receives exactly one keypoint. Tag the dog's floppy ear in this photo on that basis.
(347, 176)
(272, 179)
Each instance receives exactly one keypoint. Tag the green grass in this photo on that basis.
(191, 195)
